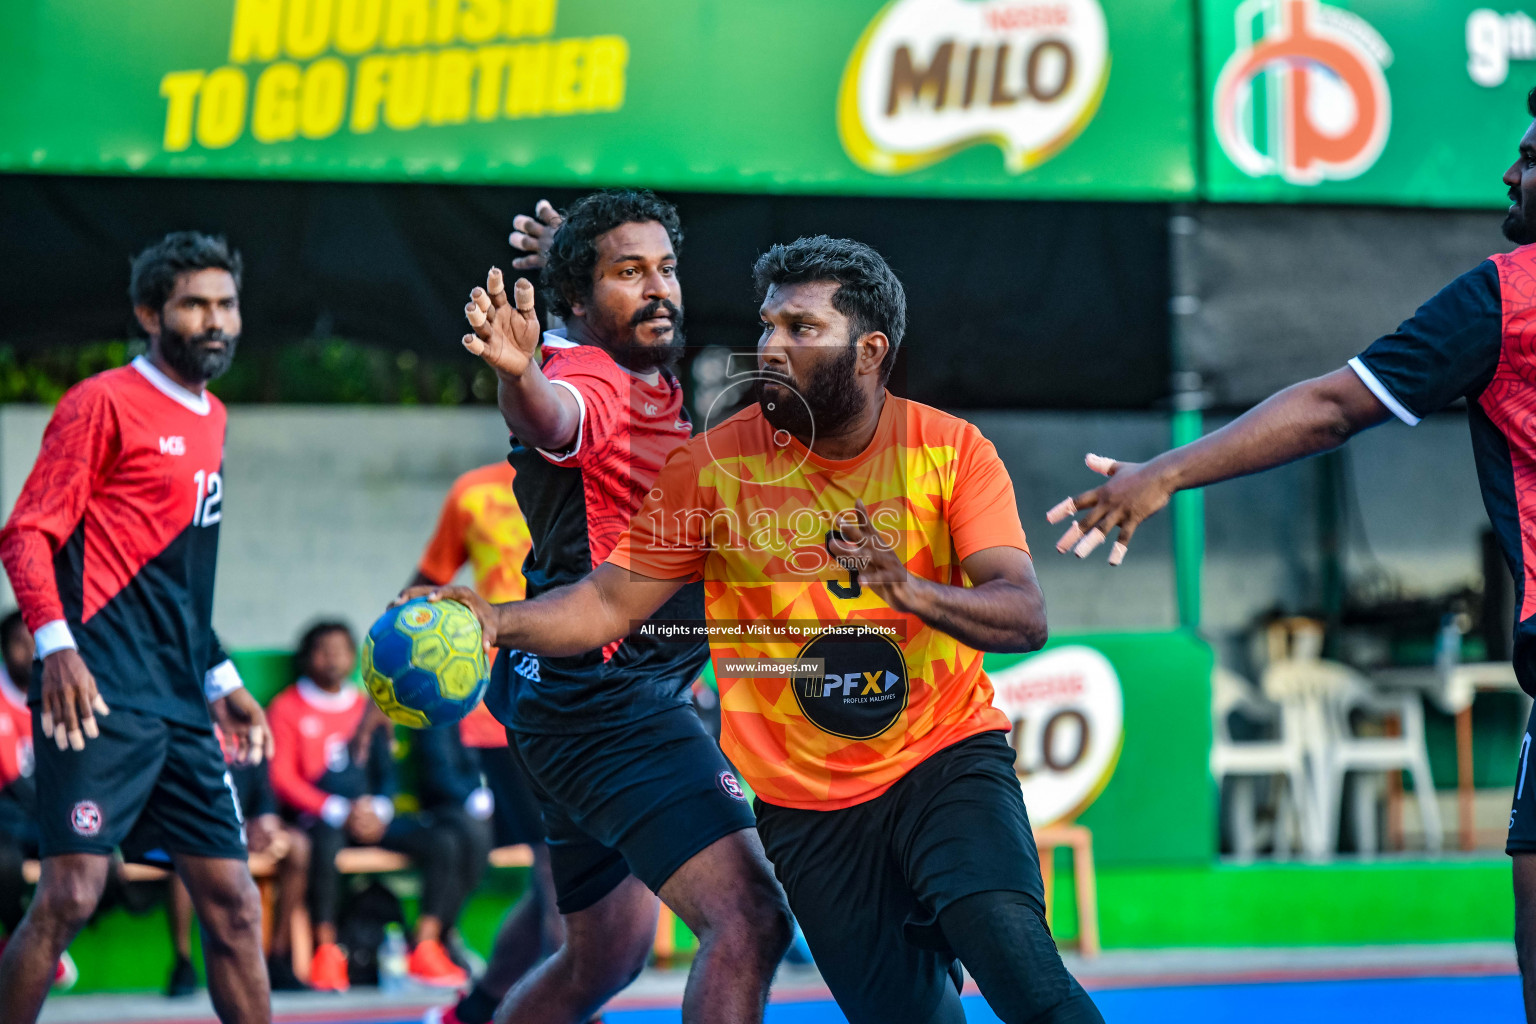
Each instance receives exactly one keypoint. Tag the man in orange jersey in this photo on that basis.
(481, 524)
(872, 548)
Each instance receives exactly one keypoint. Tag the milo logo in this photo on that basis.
(929, 78)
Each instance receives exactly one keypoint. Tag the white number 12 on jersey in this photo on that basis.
(210, 498)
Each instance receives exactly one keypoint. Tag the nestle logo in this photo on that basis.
(173, 445)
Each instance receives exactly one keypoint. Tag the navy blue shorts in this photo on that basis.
(148, 785)
(867, 883)
(516, 816)
(638, 799)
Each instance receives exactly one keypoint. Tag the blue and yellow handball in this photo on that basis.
(424, 663)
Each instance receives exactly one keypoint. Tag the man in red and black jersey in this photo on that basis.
(111, 550)
(637, 799)
(1474, 340)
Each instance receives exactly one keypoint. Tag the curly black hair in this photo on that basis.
(155, 270)
(572, 258)
(311, 639)
(869, 294)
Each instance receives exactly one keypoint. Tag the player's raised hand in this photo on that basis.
(242, 720)
(71, 701)
(1133, 492)
(858, 547)
(534, 235)
(506, 334)
(484, 611)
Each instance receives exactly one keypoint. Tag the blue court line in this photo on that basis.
(1392, 1000)
(1395, 1000)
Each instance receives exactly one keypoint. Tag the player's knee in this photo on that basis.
(755, 917)
(597, 975)
(67, 899)
(766, 917)
(232, 913)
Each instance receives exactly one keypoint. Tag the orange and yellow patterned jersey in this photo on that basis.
(482, 525)
(749, 510)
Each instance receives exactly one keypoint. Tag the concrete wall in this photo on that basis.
(328, 509)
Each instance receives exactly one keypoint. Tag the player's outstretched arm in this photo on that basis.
(602, 607)
(1314, 416)
(506, 335)
(1003, 609)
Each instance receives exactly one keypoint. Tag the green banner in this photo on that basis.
(1006, 98)
(1365, 101)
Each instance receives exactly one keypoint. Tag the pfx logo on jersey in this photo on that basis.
(85, 818)
(176, 445)
(1303, 96)
(861, 691)
(929, 78)
(863, 684)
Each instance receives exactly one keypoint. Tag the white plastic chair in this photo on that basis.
(1330, 693)
(1283, 758)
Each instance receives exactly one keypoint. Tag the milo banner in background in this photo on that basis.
(1028, 98)
(1365, 101)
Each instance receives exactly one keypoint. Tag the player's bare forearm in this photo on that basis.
(1314, 416)
(540, 413)
(1003, 610)
(1305, 419)
(1000, 616)
(602, 607)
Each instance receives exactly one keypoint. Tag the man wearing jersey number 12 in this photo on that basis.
(111, 550)
(1475, 339)
(888, 800)
(630, 784)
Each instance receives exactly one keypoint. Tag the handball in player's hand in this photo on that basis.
(425, 663)
(505, 334)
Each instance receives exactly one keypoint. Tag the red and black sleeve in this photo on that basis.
(80, 442)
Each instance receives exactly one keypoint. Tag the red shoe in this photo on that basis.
(328, 969)
(442, 1015)
(429, 964)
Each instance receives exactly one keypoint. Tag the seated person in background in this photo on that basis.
(267, 837)
(454, 798)
(18, 792)
(340, 799)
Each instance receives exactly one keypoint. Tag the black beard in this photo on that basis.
(832, 398)
(640, 358)
(190, 360)
(1517, 229)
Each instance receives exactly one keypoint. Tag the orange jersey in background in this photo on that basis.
(482, 525)
(748, 509)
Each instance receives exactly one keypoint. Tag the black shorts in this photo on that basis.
(1522, 816)
(18, 824)
(516, 817)
(148, 785)
(867, 883)
(640, 799)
